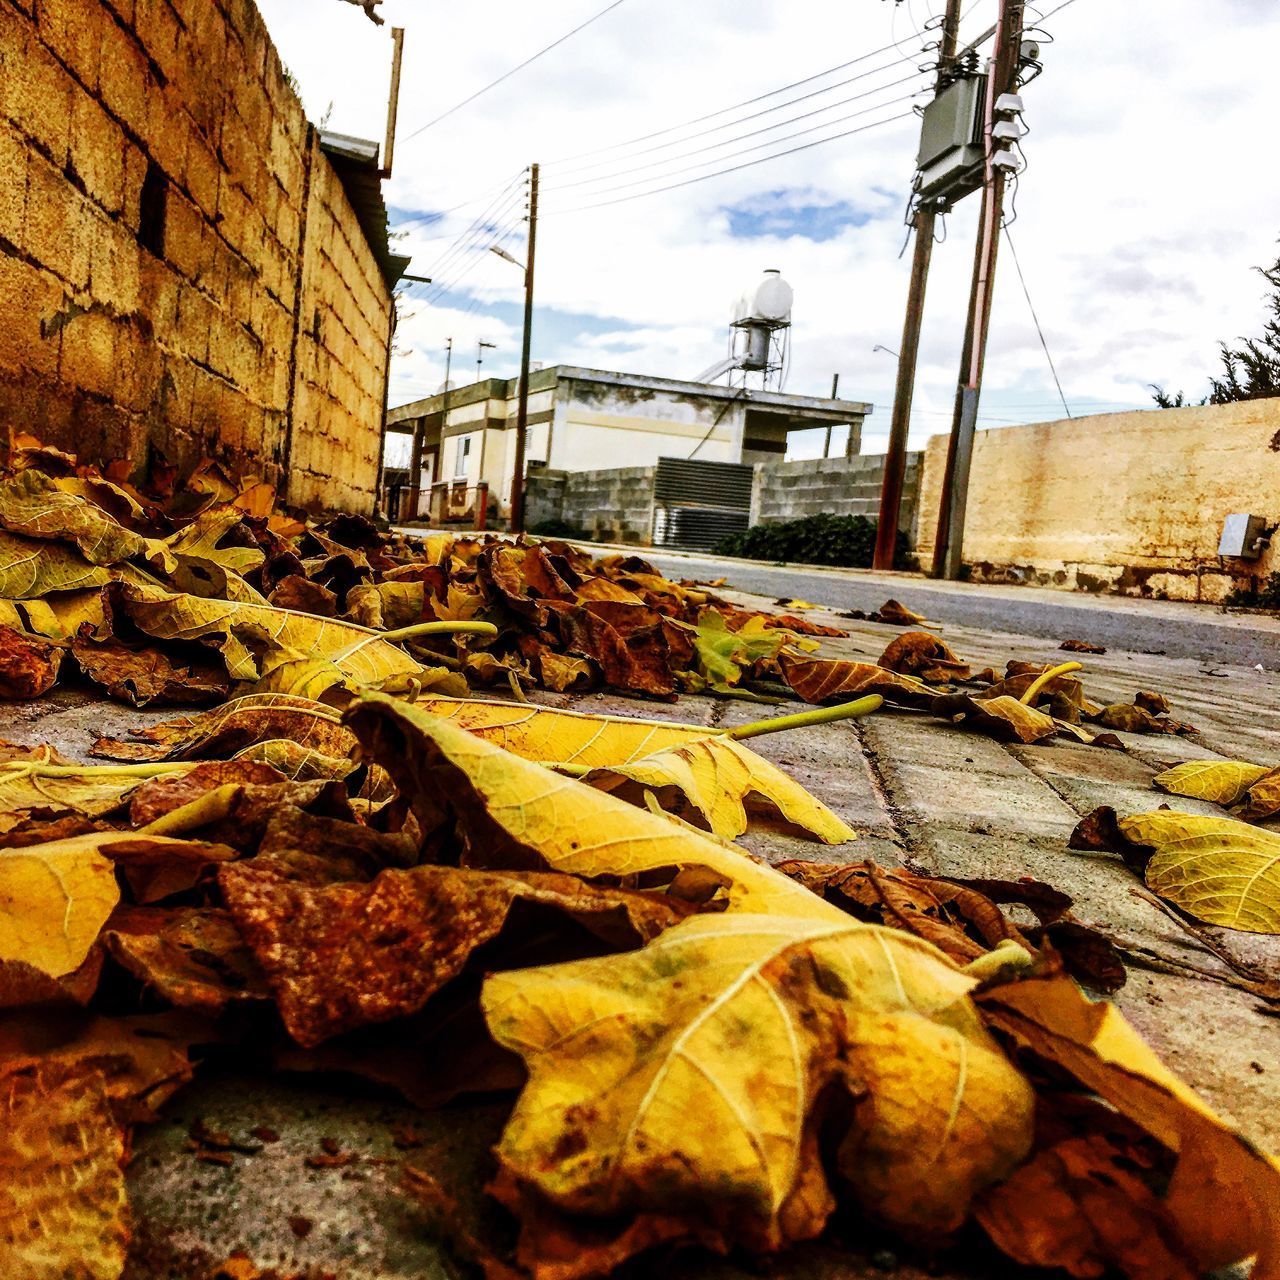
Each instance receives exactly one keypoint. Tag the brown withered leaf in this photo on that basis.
(297, 591)
(1156, 703)
(141, 1060)
(23, 985)
(63, 1207)
(825, 679)
(1082, 1205)
(1002, 717)
(1082, 646)
(192, 957)
(28, 664)
(917, 653)
(227, 729)
(158, 796)
(1127, 717)
(343, 956)
(897, 615)
(156, 867)
(1223, 1197)
(147, 674)
(627, 642)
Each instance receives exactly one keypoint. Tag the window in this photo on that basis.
(462, 467)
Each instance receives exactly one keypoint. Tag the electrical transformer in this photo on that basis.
(951, 147)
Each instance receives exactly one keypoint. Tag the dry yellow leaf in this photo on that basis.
(524, 815)
(62, 1192)
(54, 900)
(91, 794)
(1219, 870)
(718, 776)
(1222, 782)
(1224, 1196)
(682, 1078)
(32, 504)
(563, 737)
(30, 568)
(242, 632)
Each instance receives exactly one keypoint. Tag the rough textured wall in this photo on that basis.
(1128, 502)
(841, 486)
(612, 506)
(343, 316)
(152, 208)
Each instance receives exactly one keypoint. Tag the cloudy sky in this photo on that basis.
(1148, 197)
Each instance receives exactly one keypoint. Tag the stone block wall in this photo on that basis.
(612, 506)
(157, 175)
(1130, 502)
(341, 373)
(839, 486)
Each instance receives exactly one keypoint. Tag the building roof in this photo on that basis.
(355, 160)
(540, 380)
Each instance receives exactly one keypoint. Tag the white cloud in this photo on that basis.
(1147, 201)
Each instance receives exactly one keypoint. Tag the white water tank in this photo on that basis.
(770, 301)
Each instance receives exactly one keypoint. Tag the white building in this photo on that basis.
(591, 420)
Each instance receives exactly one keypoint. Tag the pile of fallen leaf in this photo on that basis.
(699, 1047)
(451, 895)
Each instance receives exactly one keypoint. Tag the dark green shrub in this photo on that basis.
(845, 541)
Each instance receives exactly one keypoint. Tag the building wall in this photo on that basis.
(341, 356)
(841, 486)
(1128, 502)
(611, 506)
(158, 173)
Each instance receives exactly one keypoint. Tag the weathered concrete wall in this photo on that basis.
(157, 170)
(611, 506)
(839, 486)
(1126, 502)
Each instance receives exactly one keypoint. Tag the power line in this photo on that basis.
(772, 142)
(750, 164)
(715, 146)
(755, 115)
(477, 228)
(506, 75)
(1036, 319)
(433, 214)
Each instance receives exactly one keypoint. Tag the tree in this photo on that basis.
(1250, 371)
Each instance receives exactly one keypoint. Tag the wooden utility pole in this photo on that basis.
(948, 543)
(925, 217)
(393, 101)
(522, 410)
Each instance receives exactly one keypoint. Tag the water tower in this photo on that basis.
(759, 335)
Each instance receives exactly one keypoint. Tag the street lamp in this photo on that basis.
(889, 351)
(502, 253)
(481, 348)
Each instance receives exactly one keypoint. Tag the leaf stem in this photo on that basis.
(146, 770)
(1036, 685)
(804, 719)
(420, 629)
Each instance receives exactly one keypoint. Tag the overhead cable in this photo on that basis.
(506, 75)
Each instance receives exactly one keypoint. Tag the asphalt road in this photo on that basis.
(1200, 632)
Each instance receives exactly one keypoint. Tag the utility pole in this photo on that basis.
(522, 410)
(835, 390)
(481, 348)
(949, 538)
(393, 101)
(924, 219)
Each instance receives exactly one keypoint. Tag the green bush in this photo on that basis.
(845, 541)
